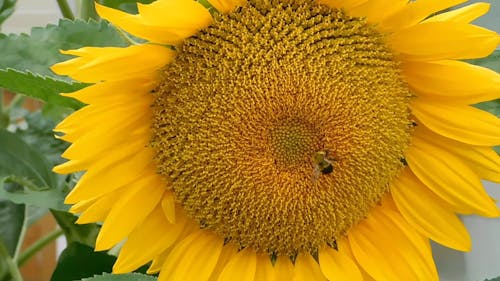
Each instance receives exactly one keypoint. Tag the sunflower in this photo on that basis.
(284, 139)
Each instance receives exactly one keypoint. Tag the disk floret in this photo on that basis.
(251, 99)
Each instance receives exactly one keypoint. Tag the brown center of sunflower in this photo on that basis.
(281, 125)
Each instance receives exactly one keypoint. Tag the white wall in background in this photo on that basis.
(492, 19)
(483, 261)
(30, 13)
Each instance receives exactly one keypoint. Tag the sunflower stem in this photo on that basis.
(65, 9)
(15, 275)
(86, 10)
(16, 101)
(2, 96)
(37, 246)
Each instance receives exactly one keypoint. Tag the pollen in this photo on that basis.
(251, 99)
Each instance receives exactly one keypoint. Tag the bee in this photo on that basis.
(323, 163)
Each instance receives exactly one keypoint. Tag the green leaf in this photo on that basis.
(26, 60)
(493, 107)
(19, 159)
(6, 9)
(491, 62)
(24, 192)
(8, 268)
(121, 277)
(129, 6)
(33, 214)
(44, 88)
(79, 261)
(55, 113)
(26, 176)
(490, 106)
(80, 233)
(12, 221)
(40, 50)
(39, 132)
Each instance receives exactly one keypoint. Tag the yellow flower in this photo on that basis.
(284, 140)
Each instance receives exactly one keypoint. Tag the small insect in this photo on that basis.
(323, 163)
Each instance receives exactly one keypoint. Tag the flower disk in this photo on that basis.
(249, 101)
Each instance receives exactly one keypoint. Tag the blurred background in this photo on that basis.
(483, 262)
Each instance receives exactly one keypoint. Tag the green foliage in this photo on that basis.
(491, 62)
(26, 59)
(40, 50)
(12, 225)
(79, 233)
(78, 261)
(44, 88)
(128, 6)
(121, 277)
(25, 175)
(494, 279)
(6, 9)
(38, 132)
(12, 218)
(490, 106)
(8, 269)
(26, 163)
(22, 191)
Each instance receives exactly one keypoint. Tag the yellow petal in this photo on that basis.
(372, 12)
(415, 12)
(194, 259)
(429, 214)
(228, 252)
(95, 64)
(449, 178)
(104, 179)
(265, 270)
(283, 269)
(168, 206)
(116, 92)
(452, 81)
(138, 200)
(241, 267)
(82, 206)
(306, 269)
(159, 235)
(337, 266)
(449, 41)
(89, 119)
(226, 6)
(163, 21)
(483, 160)
(463, 15)
(344, 248)
(343, 4)
(174, 258)
(384, 247)
(158, 262)
(85, 150)
(99, 210)
(462, 123)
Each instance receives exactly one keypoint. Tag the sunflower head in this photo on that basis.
(237, 146)
(285, 140)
